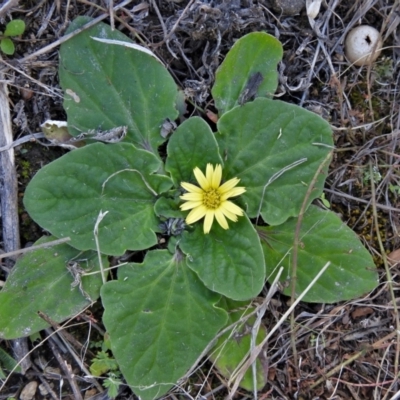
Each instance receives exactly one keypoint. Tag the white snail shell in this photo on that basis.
(360, 44)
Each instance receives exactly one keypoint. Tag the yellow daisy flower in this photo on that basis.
(211, 198)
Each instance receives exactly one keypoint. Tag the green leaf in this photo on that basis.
(7, 46)
(169, 208)
(255, 53)
(229, 262)
(15, 27)
(262, 141)
(40, 281)
(233, 346)
(102, 363)
(109, 85)
(67, 196)
(323, 237)
(112, 384)
(160, 317)
(8, 363)
(192, 145)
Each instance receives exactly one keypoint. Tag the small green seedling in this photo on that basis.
(325, 201)
(395, 189)
(375, 175)
(16, 27)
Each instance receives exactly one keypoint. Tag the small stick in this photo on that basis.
(96, 238)
(32, 248)
(66, 369)
(67, 338)
(45, 383)
(29, 138)
(111, 12)
(63, 333)
(7, 6)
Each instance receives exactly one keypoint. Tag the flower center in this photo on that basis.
(212, 199)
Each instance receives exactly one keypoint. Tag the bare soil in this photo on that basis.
(344, 351)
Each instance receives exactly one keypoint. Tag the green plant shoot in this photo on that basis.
(15, 27)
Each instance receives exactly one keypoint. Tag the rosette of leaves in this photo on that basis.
(163, 312)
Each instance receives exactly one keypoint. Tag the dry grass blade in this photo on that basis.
(240, 371)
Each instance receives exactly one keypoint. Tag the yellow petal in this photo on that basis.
(192, 196)
(208, 221)
(190, 204)
(196, 214)
(191, 188)
(231, 207)
(228, 185)
(203, 182)
(233, 193)
(221, 219)
(209, 172)
(216, 177)
(228, 214)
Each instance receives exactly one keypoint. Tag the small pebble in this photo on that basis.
(28, 392)
(90, 393)
(43, 390)
(288, 7)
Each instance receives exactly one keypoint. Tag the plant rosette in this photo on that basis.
(226, 202)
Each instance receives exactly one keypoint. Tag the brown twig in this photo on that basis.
(5, 8)
(45, 383)
(9, 202)
(63, 332)
(32, 248)
(66, 369)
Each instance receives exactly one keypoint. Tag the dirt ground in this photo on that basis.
(345, 351)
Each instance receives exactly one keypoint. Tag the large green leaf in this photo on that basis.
(67, 196)
(160, 317)
(229, 262)
(192, 145)
(40, 281)
(109, 85)
(262, 141)
(256, 54)
(323, 237)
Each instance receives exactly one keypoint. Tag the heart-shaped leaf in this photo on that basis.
(323, 237)
(275, 149)
(68, 196)
(229, 262)
(192, 145)
(160, 318)
(41, 281)
(107, 85)
(248, 71)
